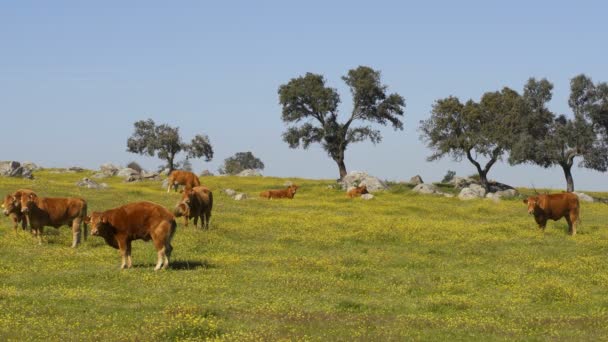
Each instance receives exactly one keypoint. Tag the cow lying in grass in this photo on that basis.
(12, 208)
(133, 221)
(196, 202)
(54, 212)
(289, 192)
(186, 178)
(357, 192)
(554, 207)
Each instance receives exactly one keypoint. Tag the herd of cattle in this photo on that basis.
(151, 221)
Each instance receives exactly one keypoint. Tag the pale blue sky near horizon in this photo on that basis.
(75, 75)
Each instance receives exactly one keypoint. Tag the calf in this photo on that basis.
(54, 212)
(12, 208)
(554, 207)
(186, 178)
(356, 192)
(289, 192)
(196, 202)
(133, 221)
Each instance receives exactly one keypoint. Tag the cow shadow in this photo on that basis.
(182, 265)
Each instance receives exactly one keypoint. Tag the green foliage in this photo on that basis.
(549, 140)
(239, 162)
(307, 101)
(319, 267)
(135, 166)
(448, 176)
(165, 141)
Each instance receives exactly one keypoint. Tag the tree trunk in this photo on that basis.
(170, 164)
(342, 168)
(483, 179)
(569, 181)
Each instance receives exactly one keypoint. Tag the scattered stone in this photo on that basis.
(240, 197)
(584, 197)
(100, 175)
(31, 166)
(147, 175)
(230, 192)
(109, 169)
(133, 178)
(427, 189)
(416, 180)
(472, 192)
(461, 182)
(249, 173)
(89, 184)
(14, 169)
(448, 195)
(76, 169)
(358, 178)
(509, 193)
(367, 196)
(206, 173)
(127, 172)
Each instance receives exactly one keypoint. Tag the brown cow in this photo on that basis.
(133, 221)
(55, 212)
(555, 206)
(356, 192)
(196, 202)
(12, 208)
(288, 192)
(186, 178)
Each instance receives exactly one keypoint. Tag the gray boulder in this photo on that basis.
(461, 182)
(100, 175)
(14, 169)
(147, 175)
(249, 173)
(76, 169)
(230, 192)
(426, 189)
(109, 169)
(509, 193)
(240, 197)
(206, 173)
(358, 178)
(31, 166)
(90, 184)
(471, 192)
(584, 197)
(127, 172)
(367, 196)
(416, 180)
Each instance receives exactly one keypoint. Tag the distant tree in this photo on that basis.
(165, 141)
(309, 102)
(239, 162)
(186, 165)
(133, 165)
(473, 130)
(448, 176)
(549, 140)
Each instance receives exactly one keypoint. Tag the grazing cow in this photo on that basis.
(288, 192)
(186, 178)
(133, 221)
(356, 192)
(12, 208)
(555, 206)
(55, 212)
(196, 202)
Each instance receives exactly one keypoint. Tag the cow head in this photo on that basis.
(27, 201)
(533, 203)
(97, 222)
(292, 189)
(10, 205)
(181, 209)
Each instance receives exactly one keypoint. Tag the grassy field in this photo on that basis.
(320, 267)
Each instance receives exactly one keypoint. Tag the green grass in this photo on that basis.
(320, 267)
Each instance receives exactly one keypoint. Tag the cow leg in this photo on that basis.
(39, 234)
(129, 260)
(196, 220)
(571, 224)
(207, 218)
(76, 232)
(122, 246)
(162, 243)
(186, 218)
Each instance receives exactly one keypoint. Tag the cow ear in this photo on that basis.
(526, 201)
(87, 219)
(104, 219)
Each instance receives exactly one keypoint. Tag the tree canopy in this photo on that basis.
(547, 139)
(239, 162)
(480, 131)
(166, 142)
(312, 109)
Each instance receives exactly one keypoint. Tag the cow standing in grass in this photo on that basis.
(12, 208)
(140, 220)
(554, 207)
(289, 192)
(196, 203)
(186, 178)
(54, 212)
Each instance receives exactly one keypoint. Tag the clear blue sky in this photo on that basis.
(75, 75)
